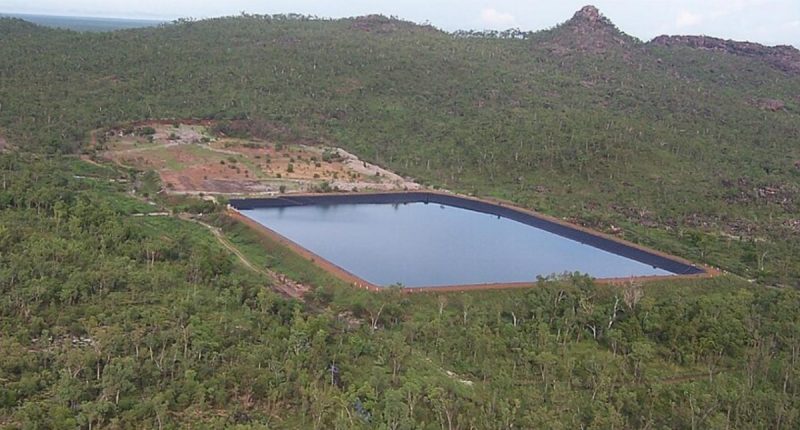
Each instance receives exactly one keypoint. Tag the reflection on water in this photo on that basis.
(417, 244)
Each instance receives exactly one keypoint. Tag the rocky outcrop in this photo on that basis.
(374, 23)
(782, 57)
(381, 24)
(591, 15)
(770, 104)
(587, 31)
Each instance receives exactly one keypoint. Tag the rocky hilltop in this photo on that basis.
(588, 31)
(783, 57)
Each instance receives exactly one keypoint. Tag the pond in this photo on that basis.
(429, 244)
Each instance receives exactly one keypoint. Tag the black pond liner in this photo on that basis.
(609, 245)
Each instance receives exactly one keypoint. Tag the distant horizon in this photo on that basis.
(152, 19)
(120, 18)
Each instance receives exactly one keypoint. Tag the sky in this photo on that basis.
(770, 22)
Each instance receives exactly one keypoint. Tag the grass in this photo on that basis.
(262, 250)
(136, 144)
(173, 227)
(109, 184)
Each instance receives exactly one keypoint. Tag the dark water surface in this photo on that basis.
(418, 244)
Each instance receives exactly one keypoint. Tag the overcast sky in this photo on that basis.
(766, 21)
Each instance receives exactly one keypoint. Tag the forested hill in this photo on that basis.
(122, 306)
(581, 120)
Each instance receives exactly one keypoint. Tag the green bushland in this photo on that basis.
(128, 321)
(668, 144)
(110, 320)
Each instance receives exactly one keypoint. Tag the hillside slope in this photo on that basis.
(114, 314)
(581, 120)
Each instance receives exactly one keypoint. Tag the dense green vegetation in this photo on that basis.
(114, 320)
(109, 319)
(667, 143)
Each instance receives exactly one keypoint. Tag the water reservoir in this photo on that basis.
(426, 242)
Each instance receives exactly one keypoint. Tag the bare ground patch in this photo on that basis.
(191, 159)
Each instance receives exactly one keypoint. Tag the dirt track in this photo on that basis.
(313, 258)
(280, 283)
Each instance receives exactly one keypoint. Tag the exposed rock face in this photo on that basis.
(374, 23)
(381, 24)
(770, 104)
(591, 14)
(782, 57)
(587, 31)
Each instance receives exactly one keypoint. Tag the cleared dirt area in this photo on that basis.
(191, 159)
(3, 144)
